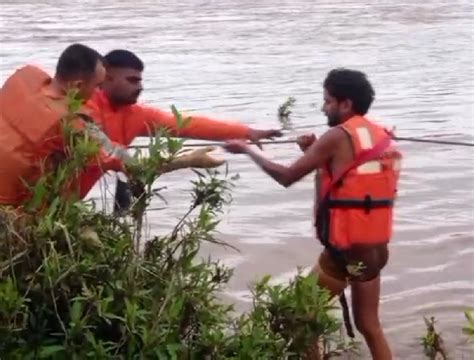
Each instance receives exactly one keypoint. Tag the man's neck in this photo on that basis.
(59, 86)
(348, 117)
(115, 105)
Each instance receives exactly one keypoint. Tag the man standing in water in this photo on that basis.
(356, 184)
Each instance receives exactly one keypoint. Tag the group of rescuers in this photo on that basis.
(356, 162)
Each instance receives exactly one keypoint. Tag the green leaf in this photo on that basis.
(48, 351)
(76, 311)
(469, 316)
(178, 117)
(113, 316)
(39, 192)
(173, 350)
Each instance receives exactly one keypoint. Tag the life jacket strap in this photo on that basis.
(368, 203)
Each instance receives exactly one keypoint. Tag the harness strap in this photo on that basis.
(110, 148)
(363, 157)
(346, 315)
(367, 203)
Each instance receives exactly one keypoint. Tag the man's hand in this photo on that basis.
(256, 135)
(305, 141)
(199, 158)
(236, 146)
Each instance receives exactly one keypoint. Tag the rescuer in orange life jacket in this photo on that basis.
(356, 182)
(116, 111)
(33, 106)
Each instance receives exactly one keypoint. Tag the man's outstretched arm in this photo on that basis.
(316, 156)
(199, 126)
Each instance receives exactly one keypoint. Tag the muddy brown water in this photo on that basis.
(240, 60)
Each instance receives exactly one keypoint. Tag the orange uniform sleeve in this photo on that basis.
(199, 127)
(95, 170)
(111, 156)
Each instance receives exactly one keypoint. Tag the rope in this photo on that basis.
(431, 141)
(292, 141)
(346, 315)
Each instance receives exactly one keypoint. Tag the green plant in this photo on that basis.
(432, 342)
(469, 328)
(81, 284)
(300, 314)
(284, 112)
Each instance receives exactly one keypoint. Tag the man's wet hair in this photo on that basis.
(76, 61)
(353, 85)
(123, 59)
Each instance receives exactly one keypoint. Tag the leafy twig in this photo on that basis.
(432, 342)
(284, 112)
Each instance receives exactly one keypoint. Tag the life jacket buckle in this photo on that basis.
(367, 203)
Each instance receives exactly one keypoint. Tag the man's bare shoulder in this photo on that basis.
(333, 135)
(322, 151)
(330, 140)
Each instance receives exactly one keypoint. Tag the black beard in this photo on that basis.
(333, 120)
(125, 101)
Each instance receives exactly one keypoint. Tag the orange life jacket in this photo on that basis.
(356, 205)
(30, 132)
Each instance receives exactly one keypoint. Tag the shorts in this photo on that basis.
(359, 263)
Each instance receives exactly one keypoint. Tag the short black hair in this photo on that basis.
(77, 60)
(123, 59)
(353, 85)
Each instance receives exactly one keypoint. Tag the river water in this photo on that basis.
(240, 60)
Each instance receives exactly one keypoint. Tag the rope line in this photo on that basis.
(292, 141)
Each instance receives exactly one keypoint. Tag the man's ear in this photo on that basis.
(76, 84)
(346, 105)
